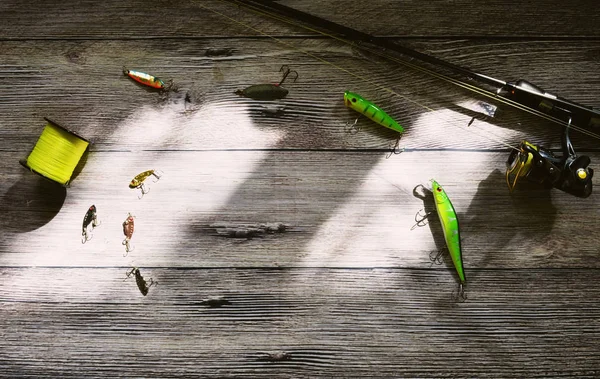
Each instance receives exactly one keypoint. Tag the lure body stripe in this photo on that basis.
(146, 79)
(449, 221)
(372, 111)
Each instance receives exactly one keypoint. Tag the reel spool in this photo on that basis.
(56, 154)
(569, 173)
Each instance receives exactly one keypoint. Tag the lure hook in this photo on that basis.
(85, 235)
(460, 296)
(395, 149)
(417, 194)
(286, 71)
(419, 219)
(437, 257)
(144, 190)
(157, 174)
(353, 129)
(127, 247)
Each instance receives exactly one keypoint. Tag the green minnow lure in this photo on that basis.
(372, 111)
(449, 221)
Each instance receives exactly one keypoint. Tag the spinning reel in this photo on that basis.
(568, 172)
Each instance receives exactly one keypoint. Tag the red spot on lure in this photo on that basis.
(145, 79)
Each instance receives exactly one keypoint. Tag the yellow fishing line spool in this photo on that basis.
(57, 153)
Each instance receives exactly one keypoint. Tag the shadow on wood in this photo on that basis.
(14, 207)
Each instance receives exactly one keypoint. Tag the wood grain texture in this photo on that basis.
(135, 19)
(273, 232)
(355, 323)
(343, 210)
(81, 85)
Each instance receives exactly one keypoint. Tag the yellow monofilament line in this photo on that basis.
(56, 154)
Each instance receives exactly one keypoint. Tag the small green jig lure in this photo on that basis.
(449, 222)
(268, 91)
(358, 103)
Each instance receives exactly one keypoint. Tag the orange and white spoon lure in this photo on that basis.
(145, 79)
(128, 232)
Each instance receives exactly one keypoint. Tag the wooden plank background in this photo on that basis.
(302, 228)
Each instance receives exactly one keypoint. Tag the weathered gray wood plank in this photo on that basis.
(549, 18)
(81, 85)
(309, 243)
(189, 18)
(342, 209)
(348, 323)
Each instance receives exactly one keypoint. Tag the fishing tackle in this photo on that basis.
(56, 154)
(268, 91)
(359, 104)
(128, 232)
(568, 172)
(145, 79)
(90, 218)
(450, 227)
(139, 280)
(138, 181)
(520, 94)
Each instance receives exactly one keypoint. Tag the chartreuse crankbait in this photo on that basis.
(450, 227)
(359, 104)
(449, 221)
(145, 79)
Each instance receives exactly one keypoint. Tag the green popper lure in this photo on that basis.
(358, 103)
(449, 221)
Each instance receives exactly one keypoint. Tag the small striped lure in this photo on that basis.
(356, 102)
(146, 79)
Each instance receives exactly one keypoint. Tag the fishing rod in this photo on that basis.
(521, 94)
(567, 172)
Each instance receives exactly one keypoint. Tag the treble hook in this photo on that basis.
(157, 174)
(127, 247)
(395, 150)
(84, 236)
(419, 221)
(461, 295)
(438, 258)
(353, 129)
(286, 71)
(144, 190)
